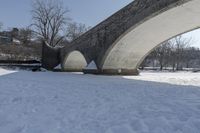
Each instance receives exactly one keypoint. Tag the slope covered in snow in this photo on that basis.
(75, 103)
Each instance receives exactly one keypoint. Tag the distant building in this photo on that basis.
(5, 40)
(9, 37)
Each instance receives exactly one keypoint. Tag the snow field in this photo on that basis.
(74, 103)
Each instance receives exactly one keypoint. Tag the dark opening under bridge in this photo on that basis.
(120, 43)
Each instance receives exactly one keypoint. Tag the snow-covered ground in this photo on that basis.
(177, 78)
(74, 103)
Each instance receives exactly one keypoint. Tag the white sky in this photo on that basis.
(195, 36)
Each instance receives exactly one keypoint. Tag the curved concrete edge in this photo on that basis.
(129, 51)
(74, 62)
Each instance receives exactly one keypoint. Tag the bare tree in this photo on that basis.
(162, 53)
(74, 30)
(25, 36)
(179, 45)
(49, 19)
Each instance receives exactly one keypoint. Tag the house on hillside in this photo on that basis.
(9, 37)
(5, 40)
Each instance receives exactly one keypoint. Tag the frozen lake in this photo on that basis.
(47, 102)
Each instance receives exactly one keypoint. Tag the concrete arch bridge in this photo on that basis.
(120, 43)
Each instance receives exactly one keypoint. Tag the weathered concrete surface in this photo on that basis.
(50, 56)
(116, 45)
(74, 62)
(132, 48)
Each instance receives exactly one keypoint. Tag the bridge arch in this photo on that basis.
(74, 61)
(130, 49)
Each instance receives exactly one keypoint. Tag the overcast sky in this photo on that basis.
(16, 13)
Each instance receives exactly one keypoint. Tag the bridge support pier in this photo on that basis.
(113, 72)
(73, 70)
(119, 72)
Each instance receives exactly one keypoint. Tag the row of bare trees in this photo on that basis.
(176, 54)
(20, 52)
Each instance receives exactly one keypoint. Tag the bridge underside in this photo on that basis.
(119, 44)
(74, 62)
(127, 53)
